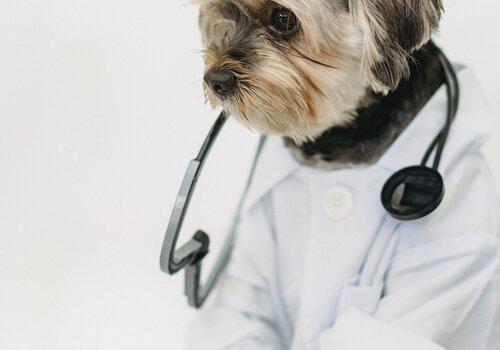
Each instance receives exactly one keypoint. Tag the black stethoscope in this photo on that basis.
(411, 193)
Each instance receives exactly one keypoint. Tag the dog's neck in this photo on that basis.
(378, 120)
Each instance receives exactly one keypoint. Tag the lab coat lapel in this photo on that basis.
(470, 129)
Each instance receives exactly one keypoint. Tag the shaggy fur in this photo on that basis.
(377, 125)
(301, 85)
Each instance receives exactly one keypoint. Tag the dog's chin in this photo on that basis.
(267, 119)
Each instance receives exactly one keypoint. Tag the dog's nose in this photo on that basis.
(221, 82)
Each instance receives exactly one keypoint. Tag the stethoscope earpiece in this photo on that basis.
(413, 193)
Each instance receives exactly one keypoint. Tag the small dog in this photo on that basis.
(318, 263)
(297, 68)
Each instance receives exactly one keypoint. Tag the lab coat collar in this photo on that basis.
(274, 164)
(471, 128)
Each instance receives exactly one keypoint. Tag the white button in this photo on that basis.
(338, 203)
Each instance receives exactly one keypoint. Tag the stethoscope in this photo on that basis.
(411, 193)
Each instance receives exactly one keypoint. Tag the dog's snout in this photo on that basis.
(221, 82)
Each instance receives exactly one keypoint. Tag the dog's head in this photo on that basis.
(298, 67)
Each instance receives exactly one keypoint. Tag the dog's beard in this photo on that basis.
(300, 86)
(293, 96)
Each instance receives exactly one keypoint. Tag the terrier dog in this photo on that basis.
(297, 68)
(318, 263)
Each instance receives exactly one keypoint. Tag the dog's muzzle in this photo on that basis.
(221, 82)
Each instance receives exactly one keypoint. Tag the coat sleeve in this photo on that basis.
(441, 288)
(240, 315)
(430, 292)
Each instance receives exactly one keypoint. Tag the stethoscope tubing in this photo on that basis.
(190, 255)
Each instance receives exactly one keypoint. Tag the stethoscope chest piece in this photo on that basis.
(413, 193)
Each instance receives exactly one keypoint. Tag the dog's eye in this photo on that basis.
(237, 55)
(283, 21)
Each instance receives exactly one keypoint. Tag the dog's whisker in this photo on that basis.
(302, 55)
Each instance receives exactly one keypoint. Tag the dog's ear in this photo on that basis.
(216, 19)
(205, 20)
(392, 30)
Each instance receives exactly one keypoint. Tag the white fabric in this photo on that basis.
(301, 279)
(371, 334)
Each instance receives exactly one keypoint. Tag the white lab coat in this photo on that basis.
(318, 264)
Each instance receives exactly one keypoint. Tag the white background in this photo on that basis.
(100, 110)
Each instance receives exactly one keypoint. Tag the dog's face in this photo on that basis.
(298, 67)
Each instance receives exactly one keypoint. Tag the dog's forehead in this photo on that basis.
(225, 7)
